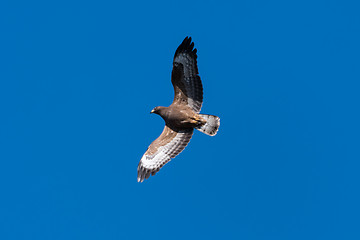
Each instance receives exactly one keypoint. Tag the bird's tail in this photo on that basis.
(211, 126)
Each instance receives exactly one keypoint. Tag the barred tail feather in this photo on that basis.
(211, 126)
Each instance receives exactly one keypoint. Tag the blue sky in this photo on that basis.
(77, 82)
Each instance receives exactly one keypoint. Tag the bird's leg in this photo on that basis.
(198, 120)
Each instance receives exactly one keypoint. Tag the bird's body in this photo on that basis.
(182, 116)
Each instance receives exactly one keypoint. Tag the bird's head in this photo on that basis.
(159, 110)
(155, 110)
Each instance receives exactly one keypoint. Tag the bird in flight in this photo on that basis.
(182, 116)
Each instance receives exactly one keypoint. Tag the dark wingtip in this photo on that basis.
(187, 46)
(141, 173)
(144, 173)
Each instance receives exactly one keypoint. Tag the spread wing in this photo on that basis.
(185, 79)
(168, 145)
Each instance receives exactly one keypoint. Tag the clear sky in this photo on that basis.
(79, 78)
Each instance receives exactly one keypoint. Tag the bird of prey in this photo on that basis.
(182, 116)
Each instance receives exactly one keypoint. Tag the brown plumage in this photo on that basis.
(182, 116)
